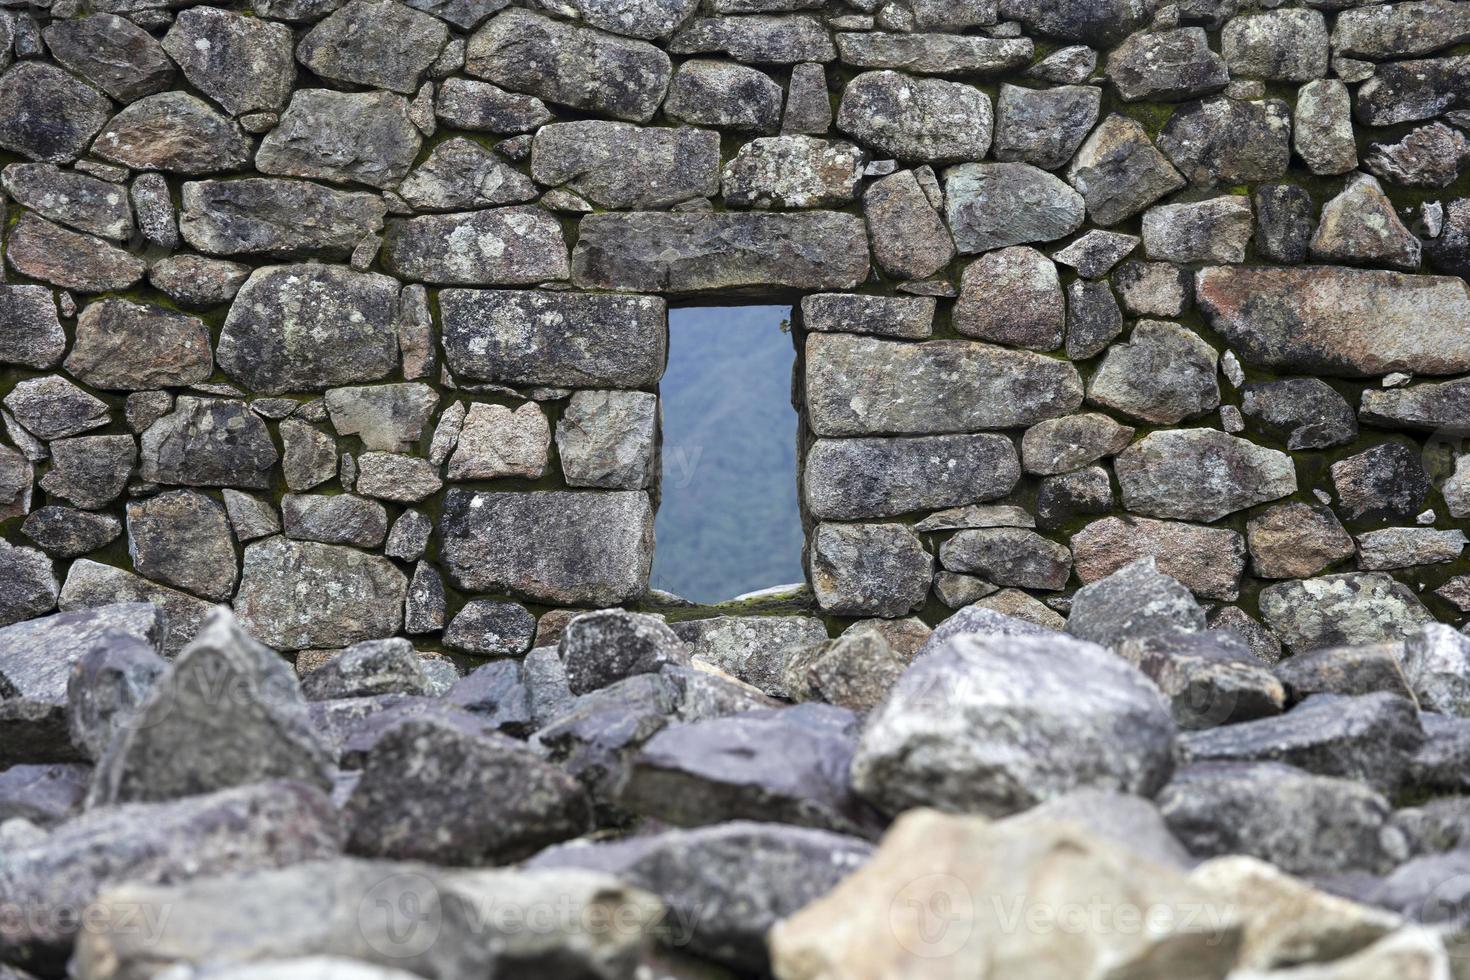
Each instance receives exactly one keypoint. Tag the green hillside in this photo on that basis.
(729, 521)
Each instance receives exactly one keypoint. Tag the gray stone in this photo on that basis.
(1208, 561)
(47, 114)
(209, 442)
(1400, 30)
(30, 331)
(344, 137)
(1224, 141)
(1094, 253)
(250, 516)
(123, 346)
(910, 317)
(513, 246)
(1152, 288)
(1011, 296)
(1164, 374)
(1431, 156)
(1008, 557)
(90, 471)
(855, 479)
(389, 418)
(1342, 610)
(598, 649)
(757, 39)
(609, 440)
(991, 205)
(1296, 541)
(1323, 135)
(310, 327)
(1209, 678)
(28, 586)
(1104, 24)
(1435, 662)
(461, 174)
(1043, 127)
(909, 237)
(1119, 172)
(619, 165)
(299, 595)
(281, 218)
(118, 56)
(1346, 670)
(808, 104)
(868, 386)
(153, 202)
(1305, 413)
(1368, 738)
(1302, 823)
(48, 252)
(1428, 407)
(1277, 45)
(1200, 474)
(755, 649)
(1093, 318)
(196, 282)
(65, 532)
(646, 19)
(341, 518)
(869, 569)
(397, 477)
(558, 547)
(718, 93)
(310, 457)
(969, 702)
(570, 65)
(491, 629)
(174, 132)
(1360, 226)
(463, 103)
(1134, 602)
(51, 407)
(1071, 442)
(376, 43)
(90, 585)
(934, 54)
(183, 538)
(854, 671)
(1283, 319)
(1215, 230)
(698, 253)
(793, 172)
(1407, 91)
(1440, 762)
(424, 606)
(43, 795)
(367, 670)
(497, 442)
(409, 538)
(1385, 481)
(1169, 66)
(1406, 547)
(76, 200)
(922, 120)
(1069, 65)
(243, 63)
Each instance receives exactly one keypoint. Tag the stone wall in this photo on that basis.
(353, 314)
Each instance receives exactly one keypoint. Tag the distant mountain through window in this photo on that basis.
(729, 522)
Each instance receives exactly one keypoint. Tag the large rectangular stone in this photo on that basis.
(858, 386)
(852, 479)
(1334, 320)
(559, 547)
(909, 317)
(658, 252)
(527, 337)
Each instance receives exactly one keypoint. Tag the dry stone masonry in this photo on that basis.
(1133, 374)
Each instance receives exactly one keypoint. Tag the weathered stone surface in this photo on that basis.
(1359, 226)
(570, 65)
(344, 137)
(718, 93)
(310, 327)
(1277, 45)
(1435, 661)
(535, 338)
(991, 205)
(646, 19)
(1284, 222)
(1103, 24)
(1342, 610)
(1323, 133)
(1061, 499)
(1171, 65)
(1305, 413)
(367, 670)
(1431, 156)
(1095, 253)
(52, 407)
(282, 218)
(1216, 230)
(1119, 172)
(970, 700)
(564, 548)
(867, 386)
(1008, 557)
(1386, 481)
(464, 103)
(1071, 442)
(869, 569)
(1407, 91)
(90, 585)
(513, 246)
(1200, 474)
(112, 52)
(600, 648)
(196, 282)
(1346, 670)
(341, 518)
(1093, 318)
(490, 628)
(47, 114)
(609, 440)
(397, 477)
(497, 442)
(854, 671)
(1164, 374)
(123, 346)
(1332, 320)
(917, 119)
(461, 174)
(755, 649)
(298, 595)
(1296, 541)
(250, 516)
(1136, 601)
(1430, 406)
(1011, 296)
(65, 532)
(1152, 288)
(90, 471)
(42, 250)
(87, 204)
(933, 54)
(209, 442)
(1209, 678)
(174, 132)
(1400, 30)
(757, 39)
(183, 538)
(793, 172)
(376, 43)
(808, 105)
(243, 63)
(650, 251)
(1405, 547)
(909, 237)
(28, 586)
(1227, 141)
(1043, 127)
(619, 165)
(310, 457)
(1208, 560)
(43, 795)
(1302, 823)
(387, 418)
(853, 479)
(30, 331)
